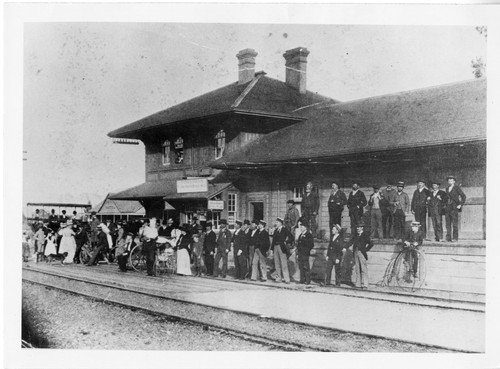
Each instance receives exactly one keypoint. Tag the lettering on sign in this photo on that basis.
(215, 205)
(192, 185)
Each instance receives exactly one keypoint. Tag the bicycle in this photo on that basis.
(407, 270)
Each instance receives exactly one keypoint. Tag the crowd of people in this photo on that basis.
(200, 251)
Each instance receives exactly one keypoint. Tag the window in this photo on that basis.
(179, 151)
(214, 217)
(165, 152)
(220, 144)
(298, 193)
(231, 209)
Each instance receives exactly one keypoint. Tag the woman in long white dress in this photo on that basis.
(50, 247)
(183, 253)
(68, 243)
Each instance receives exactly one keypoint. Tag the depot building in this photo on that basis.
(243, 150)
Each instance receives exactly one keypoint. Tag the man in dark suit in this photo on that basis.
(356, 202)
(209, 249)
(436, 201)
(455, 200)
(240, 250)
(310, 207)
(53, 221)
(305, 243)
(252, 234)
(101, 246)
(361, 244)
(281, 239)
(223, 247)
(419, 205)
(262, 246)
(336, 203)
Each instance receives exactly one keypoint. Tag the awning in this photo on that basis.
(166, 189)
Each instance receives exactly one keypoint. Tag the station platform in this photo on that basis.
(422, 317)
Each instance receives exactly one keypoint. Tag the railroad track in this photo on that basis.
(254, 328)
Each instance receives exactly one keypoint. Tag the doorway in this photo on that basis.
(257, 210)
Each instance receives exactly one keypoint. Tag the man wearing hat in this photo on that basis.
(262, 246)
(356, 202)
(53, 221)
(414, 238)
(336, 203)
(436, 202)
(223, 247)
(401, 205)
(93, 228)
(281, 239)
(419, 205)
(101, 245)
(240, 250)
(81, 239)
(252, 234)
(197, 247)
(375, 213)
(361, 244)
(310, 206)
(387, 210)
(455, 200)
(149, 236)
(292, 216)
(209, 248)
(305, 243)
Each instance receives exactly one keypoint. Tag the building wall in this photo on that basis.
(275, 187)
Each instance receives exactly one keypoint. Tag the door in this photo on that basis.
(257, 210)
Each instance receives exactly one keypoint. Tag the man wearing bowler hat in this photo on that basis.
(223, 247)
(401, 205)
(436, 201)
(262, 246)
(419, 205)
(356, 202)
(455, 200)
(281, 239)
(209, 245)
(240, 250)
(336, 203)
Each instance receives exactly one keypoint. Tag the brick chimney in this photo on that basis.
(246, 65)
(296, 68)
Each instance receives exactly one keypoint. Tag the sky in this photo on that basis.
(83, 80)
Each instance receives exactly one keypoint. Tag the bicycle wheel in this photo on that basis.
(409, 269)
(136, 259)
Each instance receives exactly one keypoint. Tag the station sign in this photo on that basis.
(215, 204)
(192, 185)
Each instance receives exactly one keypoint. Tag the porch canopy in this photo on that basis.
(166, 189)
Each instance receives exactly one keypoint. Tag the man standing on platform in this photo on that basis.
(387, 211)
(419, 205)
(455, 200)
(240, 250)
(401, 205)
(361, 244)
(292, 216)
(223, 247)
(252, 234)
(436, 201)
(281, 238)
(262, 246)
(336, 203)
(375, 213)
(310, 207)
(53, 221)
(209, 248)
(149, 237)
(356, 202)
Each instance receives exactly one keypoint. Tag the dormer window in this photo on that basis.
(179, 150)
(220, 144)
(165, 152)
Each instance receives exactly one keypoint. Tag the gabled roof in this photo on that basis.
(262, 95)
(111, 206)
(432, 116)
